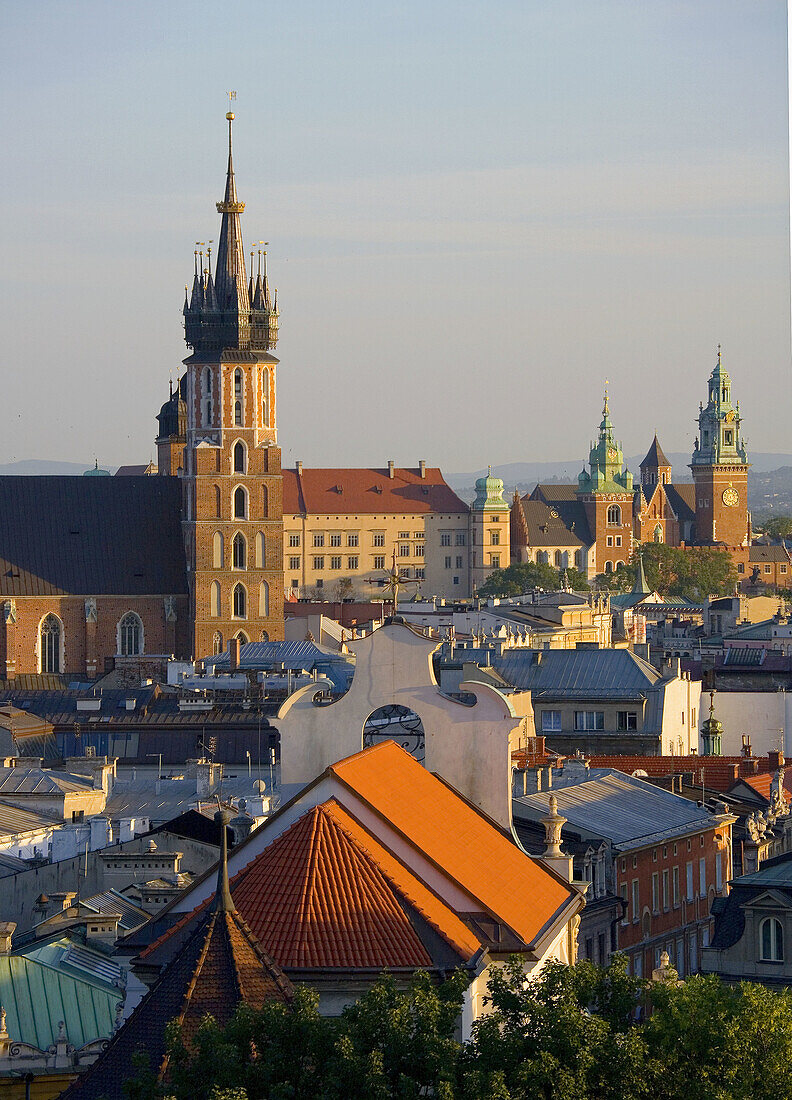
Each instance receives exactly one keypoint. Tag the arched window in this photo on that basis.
(217, 550)
(242, 638)
(239, 398)
(240, 601)
(214, 599)
(50, 639)
(771, 940)
(264, 501)
(240, 503)
(239, 457)
(395, 722)
(263, 600)
(658, 533)
(130, 635)
(580, 556)
(206, 398)
(557, 558)
(263, 636)
(239, 551)
(217, 501)
(608, 566)
(261, 551)
(614, 516)
(217, 643)
(542, 557)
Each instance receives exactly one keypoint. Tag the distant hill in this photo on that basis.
(40, 466)
(518, 473)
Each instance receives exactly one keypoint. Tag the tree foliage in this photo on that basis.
(573, 1033)
(779, 527)
(692, 572)
(521, 577)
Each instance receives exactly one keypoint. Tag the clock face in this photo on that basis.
(731, 498)
(612, 452)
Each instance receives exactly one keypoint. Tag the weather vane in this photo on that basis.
(231, 98)
(393, 579)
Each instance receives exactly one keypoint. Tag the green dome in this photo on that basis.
(489, 494)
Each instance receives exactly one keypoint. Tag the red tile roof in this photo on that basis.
(466, 845)
(344, 491)
(720, 772)
(762, 783)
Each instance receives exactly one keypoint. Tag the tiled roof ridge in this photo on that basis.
(404, 836)
(398, 887)
(208, 930)
(274, 971)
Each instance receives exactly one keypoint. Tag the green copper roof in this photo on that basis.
(489, 495)
(36, 998)
(606, 460)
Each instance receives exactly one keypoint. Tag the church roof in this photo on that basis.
(220, 963)
(655, 456)
(545, 526)
(367, 490)
(682, 498)
(91, 536)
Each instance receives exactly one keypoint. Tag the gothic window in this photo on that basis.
(240, 601)
(263, 636)
(261, 550)
(614, 516)
(264, 501)
(557, 558)
(217, 643)
(239, 457)
(239, 551)
(263, 600)
(265, 420)
(396, 723)
(50, 635)
(217, 501)
(608, 566)
(217, 550)
(206, 398)
(771, 940)
(239, 398)
(658, 533)
(214, 599)
(242, 638)
(130, 635)
(240, 503)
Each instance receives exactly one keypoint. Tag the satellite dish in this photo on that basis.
(639, 773)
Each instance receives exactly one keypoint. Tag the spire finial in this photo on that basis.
(605, 409)
(223, 900)
(719, 354)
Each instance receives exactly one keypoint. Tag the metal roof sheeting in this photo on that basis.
(36, 998)
(618, 807)
(578, 673)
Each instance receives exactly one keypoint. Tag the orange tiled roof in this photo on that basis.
(315, 898)
(720, 772)
(466, 845)
(763, 783)
(341, 491)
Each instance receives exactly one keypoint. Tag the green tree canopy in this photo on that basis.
(779, 527)
(571, 1033)
(692, 572)
(521, 577)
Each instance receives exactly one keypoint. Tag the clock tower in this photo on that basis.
(720, 468)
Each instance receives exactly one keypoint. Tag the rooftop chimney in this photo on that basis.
(390, 468)
(233, 654)
(422, 467)
(299, 469)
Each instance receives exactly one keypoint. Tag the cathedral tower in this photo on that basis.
(606, 493)
(720, 468)
(233, 511)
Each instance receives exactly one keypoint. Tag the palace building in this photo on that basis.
(593, 525)
(102, 570)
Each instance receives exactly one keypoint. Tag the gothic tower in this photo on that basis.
(607, 496)
(233, 511)
(720, 468)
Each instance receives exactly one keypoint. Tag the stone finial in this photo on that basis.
(665, 972)
(553, 824)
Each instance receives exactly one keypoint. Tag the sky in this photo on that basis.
(477, 212)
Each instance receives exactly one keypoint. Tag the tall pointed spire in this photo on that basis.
(230, 278)
(223, 900)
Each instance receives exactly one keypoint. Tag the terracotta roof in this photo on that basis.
(466, 845)
(720, 772)
(91, 536)
(763, 783)
(343, 491)
(655, 456)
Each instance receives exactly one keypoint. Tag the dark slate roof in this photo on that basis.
(682, 498)
(562, 498)
(546, 527)
(760, 552)
(775, 874)
(91, 536)
(578, 673)
(655, 456)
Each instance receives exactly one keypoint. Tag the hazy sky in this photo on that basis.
(476, 213)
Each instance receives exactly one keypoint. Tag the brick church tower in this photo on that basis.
(720, 469)
(606, 492)
(233, 507)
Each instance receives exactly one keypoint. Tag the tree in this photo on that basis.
(521, 577)
(691, 572)
(779, 527)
